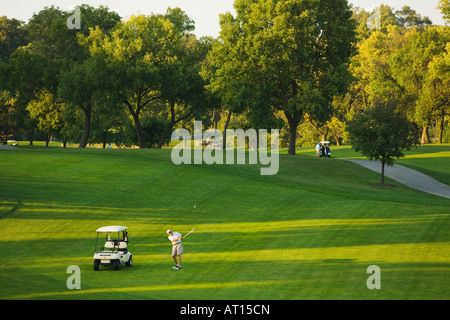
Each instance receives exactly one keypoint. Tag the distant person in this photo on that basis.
(318, 147)
(109, 146)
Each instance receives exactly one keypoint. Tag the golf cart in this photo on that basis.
(325, 149)
(115, 250)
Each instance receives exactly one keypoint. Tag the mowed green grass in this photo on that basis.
(431, 159)
(309, 232)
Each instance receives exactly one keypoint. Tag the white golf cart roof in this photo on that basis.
(111, 229)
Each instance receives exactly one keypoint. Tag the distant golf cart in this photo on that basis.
(115, 250)
(324, 150)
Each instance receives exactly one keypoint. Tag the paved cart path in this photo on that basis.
(408, 177)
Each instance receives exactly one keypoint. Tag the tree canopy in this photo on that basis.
(382, 133)
(306, 67)
(288, 56)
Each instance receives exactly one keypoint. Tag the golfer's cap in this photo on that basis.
(169, 231)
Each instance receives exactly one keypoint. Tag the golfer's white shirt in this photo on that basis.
(174, 236)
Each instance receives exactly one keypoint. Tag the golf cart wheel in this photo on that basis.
(96, 264)
(129, 263)
(116, 265)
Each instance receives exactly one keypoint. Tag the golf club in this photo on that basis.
(188, 233)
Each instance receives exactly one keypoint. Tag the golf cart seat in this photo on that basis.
(119, 245)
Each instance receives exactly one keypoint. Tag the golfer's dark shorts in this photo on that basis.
(177, 249)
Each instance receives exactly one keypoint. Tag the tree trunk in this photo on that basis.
(30, 136)
(104, 134)
(138, 126)
(137, 123)
(338, 139)
(224, 136)
(425, 135)
(293, 121)
(47, 140)
(164, 136)
(169, 126)
(325, 134)
(441, 126)
(87, 126)
(382, 171)
(173, 122)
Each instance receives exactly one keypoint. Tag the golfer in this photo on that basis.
(177, 248)
(318, 147)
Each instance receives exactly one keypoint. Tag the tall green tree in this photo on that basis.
(182, 87)
(13, 34)
(53, 50)
(408, 17)
(435, 94)
(229, 84)
(78, 87)
(410, 67)
(8, 127)
(382, 133)
(294, 55)
(22, 77)
(444, 6)
(108, 118)
(371, 66)
(48, 112)
(138, 55)
(82, 80)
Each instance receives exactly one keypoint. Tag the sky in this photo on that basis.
(205, 13)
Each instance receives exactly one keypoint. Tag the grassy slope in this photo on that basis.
(310, 232)
(430, 159)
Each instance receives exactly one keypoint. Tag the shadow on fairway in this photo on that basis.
(310, 232)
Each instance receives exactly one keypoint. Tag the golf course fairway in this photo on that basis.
(309, 232)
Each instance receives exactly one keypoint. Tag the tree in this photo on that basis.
(410, 67)
(134, 55)
(77, 86)
(228, 83)
(381, 133)
(13, 34)
(380, 18)
(292, 55)
(54, 50)
(48, 112)
(22, 77)
(408, 17)
(435, 93)
(7, 124)
(182, 87)
(108, 118)
(444, 6)
(82, 78)
(152, 130)
(53, 39)
(371, 66)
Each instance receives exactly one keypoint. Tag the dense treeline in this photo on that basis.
(303, 66)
